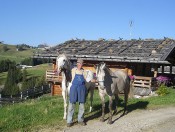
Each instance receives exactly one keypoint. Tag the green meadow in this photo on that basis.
(36, 71)
(14, 55)
(47, 111)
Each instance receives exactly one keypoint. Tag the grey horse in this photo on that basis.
(111, 84)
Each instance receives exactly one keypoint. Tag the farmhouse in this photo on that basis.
(145, 58)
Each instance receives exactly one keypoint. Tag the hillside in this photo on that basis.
(36, 71)
(14, 55)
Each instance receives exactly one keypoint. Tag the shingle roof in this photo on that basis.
(156, 51)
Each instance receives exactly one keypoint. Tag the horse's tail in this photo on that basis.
(130, 92)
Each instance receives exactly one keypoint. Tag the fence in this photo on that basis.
(29, 93)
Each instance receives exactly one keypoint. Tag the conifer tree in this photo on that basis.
(24, 80)
(11, 87)
(40, 81)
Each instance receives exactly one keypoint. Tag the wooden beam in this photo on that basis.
(155, 71)
(171, 69)
(162, 68)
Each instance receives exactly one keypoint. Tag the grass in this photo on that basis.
(3, 77)
(36, 71)
(25, 116)
(14, 55)
(153, 102)
(47, 111)
(39, 70)
(17, 56)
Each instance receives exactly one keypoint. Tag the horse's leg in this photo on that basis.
(102, 95)
(92, 87)
(64, 94)
(126, 92)
(110, 110)
(116, 103)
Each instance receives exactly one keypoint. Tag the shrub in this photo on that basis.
(5, 65)
(27, 61)
(5, 48)
(163, 80)
(40, 81)
(131, 77)
(162, 90)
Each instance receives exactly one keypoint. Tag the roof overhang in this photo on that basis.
(106, 58)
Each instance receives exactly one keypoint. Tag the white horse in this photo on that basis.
(111, 84)
(64, 66)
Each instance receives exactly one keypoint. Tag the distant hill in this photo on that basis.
(13, 54)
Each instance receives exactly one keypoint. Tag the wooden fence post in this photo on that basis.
(42, 88)
(0, 98)
(21, 95)
(27, 94)
(33, 94)
(51, 88)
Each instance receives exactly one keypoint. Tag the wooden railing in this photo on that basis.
(51, 76)
(144, 82)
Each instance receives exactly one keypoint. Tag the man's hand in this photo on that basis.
(94, 80)
(55, 72)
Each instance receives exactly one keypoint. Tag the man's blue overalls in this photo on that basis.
(77, 94)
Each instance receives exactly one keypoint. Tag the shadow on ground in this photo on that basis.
(97, 109)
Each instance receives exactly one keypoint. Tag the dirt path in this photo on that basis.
(159, 120)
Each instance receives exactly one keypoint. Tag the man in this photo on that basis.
(77, 94)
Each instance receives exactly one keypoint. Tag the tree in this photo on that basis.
(27, 61)
(40, 81)
(20, 48)
(5, 64)
(11, 87)
(24, 80)
(5, 48)
(24, 75)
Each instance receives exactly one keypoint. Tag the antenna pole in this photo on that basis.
(130, 26)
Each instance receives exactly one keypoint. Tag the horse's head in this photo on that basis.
(100, 74)
(62, 63)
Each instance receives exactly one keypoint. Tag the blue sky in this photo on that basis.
(52, 22)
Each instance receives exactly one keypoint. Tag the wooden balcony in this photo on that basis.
(51, 76)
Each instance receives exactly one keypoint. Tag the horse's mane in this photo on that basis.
(109, 70)
(106, 68)
(63, 55)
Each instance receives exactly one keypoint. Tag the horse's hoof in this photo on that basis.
(90, 110)
(115, 112)
(109, 122)
(124, 113)
(64, 118)
(102, 120)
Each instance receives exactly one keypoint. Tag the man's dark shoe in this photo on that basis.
(69, 124)
(82, 123)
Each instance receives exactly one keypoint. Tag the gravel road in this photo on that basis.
(158, 120)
